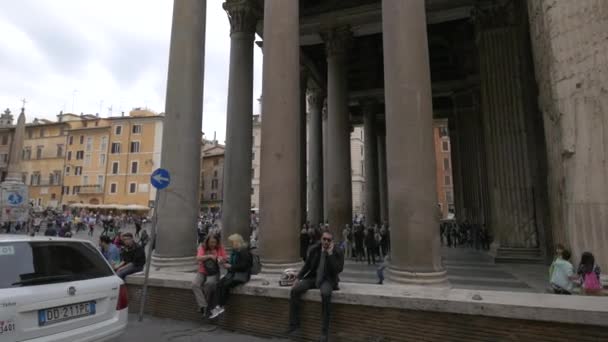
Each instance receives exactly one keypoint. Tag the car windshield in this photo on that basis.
(45, 262)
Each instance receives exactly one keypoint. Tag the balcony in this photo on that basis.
(91, 189)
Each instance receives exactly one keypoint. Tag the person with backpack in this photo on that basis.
(589, 273)
(239, 266)
(209, 256)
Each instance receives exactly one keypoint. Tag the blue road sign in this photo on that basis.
(160, 179)
(15, 198)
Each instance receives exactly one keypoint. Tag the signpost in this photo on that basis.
(160, 179)
(13, 201)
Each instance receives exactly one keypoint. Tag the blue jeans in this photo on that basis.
(129, 269)
(380, 273)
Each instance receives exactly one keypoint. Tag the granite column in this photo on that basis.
(382, 180)
(177, 208)
(280, 173)
(236, 204)
(370, 144)
(410, 146)
(339, 196)
(315, 156)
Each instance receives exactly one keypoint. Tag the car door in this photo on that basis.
(56, 286)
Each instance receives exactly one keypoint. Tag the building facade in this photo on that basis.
(212, 176)
(6, 138)
(43, 161)
(88, 160)
(445, 188)
(357, 159)
(134, 152)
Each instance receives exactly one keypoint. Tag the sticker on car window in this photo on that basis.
(7, 327)
(7, 250)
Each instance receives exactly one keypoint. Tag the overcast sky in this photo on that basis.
(90, 56)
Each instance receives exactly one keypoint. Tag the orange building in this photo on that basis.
(445, 187)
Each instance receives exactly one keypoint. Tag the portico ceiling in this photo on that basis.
(451, 46)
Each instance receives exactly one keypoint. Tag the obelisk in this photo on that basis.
(14, 194)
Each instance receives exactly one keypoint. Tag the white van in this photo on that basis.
(55, 289)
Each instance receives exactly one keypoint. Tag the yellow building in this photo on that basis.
(86, 159)
(43, 161)
(133, 154)
(109, 160)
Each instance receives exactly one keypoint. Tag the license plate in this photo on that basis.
(65, 313)
(7, 327)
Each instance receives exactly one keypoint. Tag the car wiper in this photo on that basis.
(52, 278)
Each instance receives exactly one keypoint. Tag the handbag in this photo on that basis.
(211, 266)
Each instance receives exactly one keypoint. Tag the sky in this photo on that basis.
(105, 57)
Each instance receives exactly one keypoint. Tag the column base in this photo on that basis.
(518, 255)
(276, 269)
(402, 277)
(179, 264)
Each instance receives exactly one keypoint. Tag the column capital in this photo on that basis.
(338, 40)
(243, 15)
(316, 97)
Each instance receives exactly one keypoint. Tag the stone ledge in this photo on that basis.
(524, 306)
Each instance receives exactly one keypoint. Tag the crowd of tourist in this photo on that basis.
(359, 243)
(465, 234)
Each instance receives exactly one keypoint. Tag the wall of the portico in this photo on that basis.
(570, 45)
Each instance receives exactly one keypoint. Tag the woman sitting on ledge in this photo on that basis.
(239, 272)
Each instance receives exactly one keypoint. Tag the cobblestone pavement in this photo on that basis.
(166, 330)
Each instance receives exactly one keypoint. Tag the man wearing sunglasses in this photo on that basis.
(321, 271)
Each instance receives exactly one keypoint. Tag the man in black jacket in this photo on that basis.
(133, 257)
(321, 271)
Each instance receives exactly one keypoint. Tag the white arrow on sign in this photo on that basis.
(159, 178)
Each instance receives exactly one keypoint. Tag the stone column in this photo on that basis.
(470, 152)
(410, 146)
(177, 208)
(303, 143)
(315, 156)
(236, 204)
(325, 163)
(280, 175)
(382, 180)
(370, 145)
(339, 196)
(509, 111)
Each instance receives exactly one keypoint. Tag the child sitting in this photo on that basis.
(562, 273)
(589, 274)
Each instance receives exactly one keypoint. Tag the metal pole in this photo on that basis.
(149, 259)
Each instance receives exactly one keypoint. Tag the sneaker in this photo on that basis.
(216, 312)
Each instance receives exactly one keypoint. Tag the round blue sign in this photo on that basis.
(15, 198)
(160, 179)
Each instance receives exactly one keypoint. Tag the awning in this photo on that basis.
(131, 207)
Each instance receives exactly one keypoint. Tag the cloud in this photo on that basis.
(88, 56)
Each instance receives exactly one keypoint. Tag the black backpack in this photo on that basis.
(256, 264)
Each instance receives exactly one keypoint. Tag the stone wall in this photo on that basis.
(267, 317)
(364, 312)
(570, 45)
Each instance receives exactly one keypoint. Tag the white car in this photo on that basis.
(55, 289)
